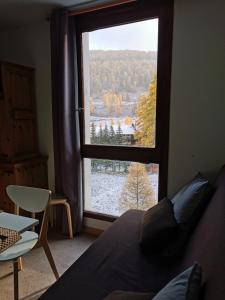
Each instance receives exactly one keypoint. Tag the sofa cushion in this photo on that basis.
(158, 226)
(188, 204)
(124, 295)
(114, 262)
(185, 286)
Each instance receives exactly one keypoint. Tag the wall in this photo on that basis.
(31, 46)
(197, 119)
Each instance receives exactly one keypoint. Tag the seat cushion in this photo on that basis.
(123, 295)
(114, 262)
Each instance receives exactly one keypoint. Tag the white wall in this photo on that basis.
(31, 46)
(197, 119)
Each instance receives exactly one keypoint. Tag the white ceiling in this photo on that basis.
(17, 13)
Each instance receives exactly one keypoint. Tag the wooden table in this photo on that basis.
(24, 245)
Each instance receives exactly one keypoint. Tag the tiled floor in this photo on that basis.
(37, 276)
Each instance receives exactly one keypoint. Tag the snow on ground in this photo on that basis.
(106, 190)
(101, 121)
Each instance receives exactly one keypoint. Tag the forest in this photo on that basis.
(121, 72)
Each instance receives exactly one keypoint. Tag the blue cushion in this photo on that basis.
(185, 286)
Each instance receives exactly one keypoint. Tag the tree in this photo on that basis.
(93, 134)
(128, 121)
(137, 192)
(113, 103)
(112, 135)
(100, 135)
(92, 108)
(146, 117)
(106, 136)
(119, 135)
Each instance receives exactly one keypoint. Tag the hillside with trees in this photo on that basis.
(121, 72)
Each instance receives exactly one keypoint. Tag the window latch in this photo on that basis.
(79, 109)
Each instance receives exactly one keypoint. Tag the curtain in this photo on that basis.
(66, 131)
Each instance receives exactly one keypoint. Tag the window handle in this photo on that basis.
(79, 109)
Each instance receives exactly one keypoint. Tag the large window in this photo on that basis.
(124, 66)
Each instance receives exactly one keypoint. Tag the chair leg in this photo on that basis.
(69, 219)
(20, 264)
(50, 258)
(33, 216)
(51, 215)
(16, 281)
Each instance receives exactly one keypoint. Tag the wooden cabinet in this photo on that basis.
(18, 138)
(32, 172)
(20, 161)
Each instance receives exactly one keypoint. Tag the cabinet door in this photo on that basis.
(18, 85)
(6, 178)
(32, 173)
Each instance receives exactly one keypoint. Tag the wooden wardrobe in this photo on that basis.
(20, 160)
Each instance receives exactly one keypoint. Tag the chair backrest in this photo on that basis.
(29, 198)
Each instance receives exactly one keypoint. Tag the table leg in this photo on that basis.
(16, 282)
(20, 264)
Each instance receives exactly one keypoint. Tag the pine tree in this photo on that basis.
(106, 136)
(146, 117)
(100, 135)
(119, 135)
(137, 192)
(93, 134)
(112, 135)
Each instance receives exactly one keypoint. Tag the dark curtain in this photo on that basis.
(66, 131)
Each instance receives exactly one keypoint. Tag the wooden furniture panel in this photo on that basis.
(20, 161)
(18, 113)
(32, 172)
(6, 177)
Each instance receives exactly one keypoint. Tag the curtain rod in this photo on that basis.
(98, 7)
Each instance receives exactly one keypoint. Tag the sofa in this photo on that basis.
(116, 262)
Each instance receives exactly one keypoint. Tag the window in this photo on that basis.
(124, 69)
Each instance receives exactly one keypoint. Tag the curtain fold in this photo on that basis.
(66, 129)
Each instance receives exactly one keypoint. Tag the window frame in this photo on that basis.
(120, 15)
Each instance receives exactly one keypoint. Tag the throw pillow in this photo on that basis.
(188, 205)
(190, 199)
(158, 226)
(185, 286)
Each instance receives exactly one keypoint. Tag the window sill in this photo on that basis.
(99, 216)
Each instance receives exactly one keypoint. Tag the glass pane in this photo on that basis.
(113, 187)
(119, 72)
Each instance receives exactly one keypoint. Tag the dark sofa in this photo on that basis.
(116, 262)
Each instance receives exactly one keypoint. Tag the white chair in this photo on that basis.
(33, 200)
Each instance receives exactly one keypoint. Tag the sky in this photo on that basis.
(141, 36)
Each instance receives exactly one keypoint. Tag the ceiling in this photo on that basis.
(18, 13)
